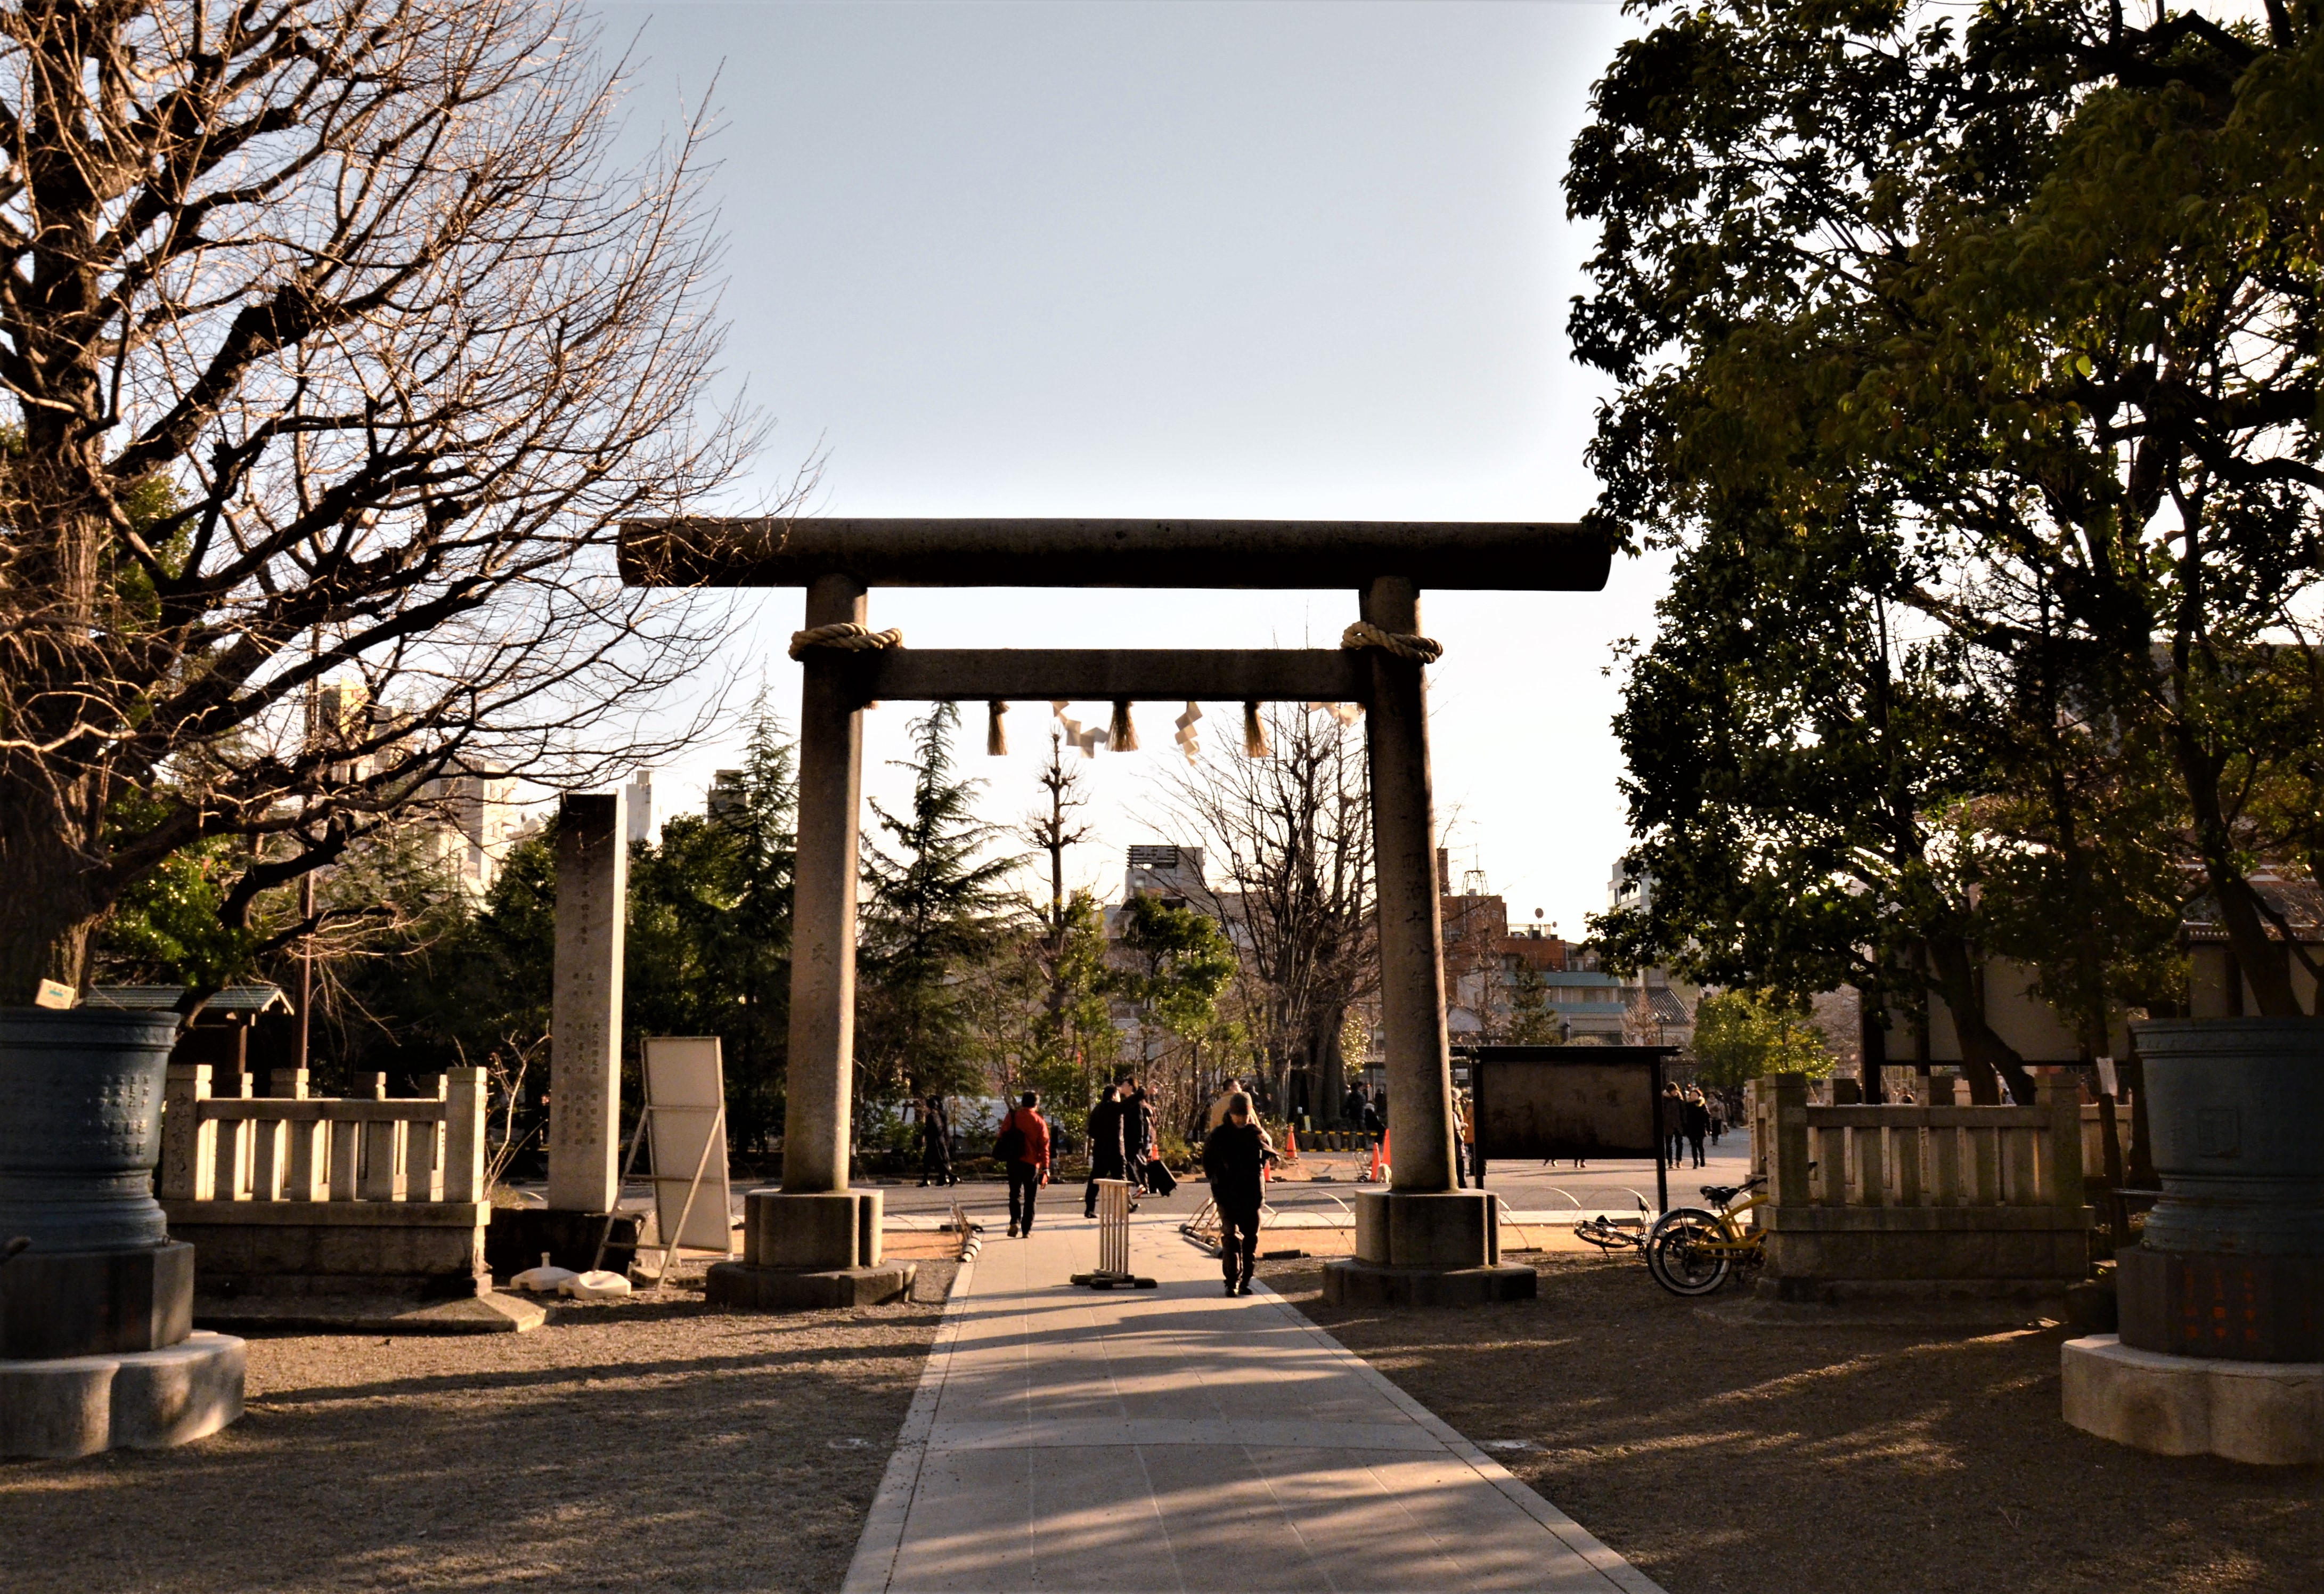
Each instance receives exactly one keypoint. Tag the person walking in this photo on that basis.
(1105, 1147)
(1235, 1159)
(1674, 1125)
(1137, 1141)
(935, 1144)
(1024, 1147)
(1698, 1122)
(1219, 1107)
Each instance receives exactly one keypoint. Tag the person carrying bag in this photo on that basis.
(1022, 1148)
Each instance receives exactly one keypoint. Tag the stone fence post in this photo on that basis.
(2062, 1100)
(464, 1135)
(1787, 1167)
(189, 1145)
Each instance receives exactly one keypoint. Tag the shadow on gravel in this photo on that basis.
(1779, 1459)
(644, 1446)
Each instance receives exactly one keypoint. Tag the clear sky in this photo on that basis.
(1270, 260)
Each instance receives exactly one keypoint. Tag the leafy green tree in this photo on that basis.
(1799, 782)
(452, 994)
(1991, 354)
(1182, 959)
(1740, 1035)
(934, 904)
(1180, 962)
(1075, 1040)
(710, 930)
(1532, 1021)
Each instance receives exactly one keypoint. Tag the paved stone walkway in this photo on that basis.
(1118, 1442)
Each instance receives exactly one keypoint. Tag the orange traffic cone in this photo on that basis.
(1290, 1142)
(1380, 1157)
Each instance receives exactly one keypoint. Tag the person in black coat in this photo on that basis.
(935, 1144)
(1137, 1134)
(1107, 1160)
(1235, 1159)
(1697, 1114)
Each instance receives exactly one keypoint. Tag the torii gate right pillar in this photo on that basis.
(1421, 1241)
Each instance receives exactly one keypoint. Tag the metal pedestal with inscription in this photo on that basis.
(96, 1346)
(2231, 1265)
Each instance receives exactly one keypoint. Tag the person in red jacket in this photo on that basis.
(1029, 1162)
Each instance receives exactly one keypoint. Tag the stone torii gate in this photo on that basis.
(816, 1242)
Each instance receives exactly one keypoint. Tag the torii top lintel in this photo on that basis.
(1498, 556)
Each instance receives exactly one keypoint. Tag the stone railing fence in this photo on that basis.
(297, 1148)
(1937, 1156)
(290, 1197)
(1920, 1199)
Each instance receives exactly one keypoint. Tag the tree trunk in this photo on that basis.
(46, 915)
(2141, 1170)
(1333, 1076)
(1872, 1041)
(2094, 1046)
(1986, 1060)
(2266, 962)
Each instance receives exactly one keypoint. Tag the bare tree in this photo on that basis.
(1291, 836)
(1052, 829)
(339, 347)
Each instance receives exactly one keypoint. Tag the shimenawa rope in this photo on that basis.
(848, 637)
(1402, 644)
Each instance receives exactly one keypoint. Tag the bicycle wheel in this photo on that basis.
(1678, 1252)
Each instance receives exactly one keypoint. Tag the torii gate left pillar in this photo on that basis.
(814, 1241)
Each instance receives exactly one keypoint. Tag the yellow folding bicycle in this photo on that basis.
(1691, 1250)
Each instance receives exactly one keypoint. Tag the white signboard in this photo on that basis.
(686, 1098)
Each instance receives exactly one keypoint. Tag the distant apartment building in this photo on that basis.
(638, 805)
(1172, 873)
(1658, 1008)
(726, 794)
(474, 825)
(464, 822)
(1487, 958)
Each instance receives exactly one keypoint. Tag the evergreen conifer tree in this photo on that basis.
(933, 902)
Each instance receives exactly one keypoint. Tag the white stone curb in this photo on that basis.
(883, 1529)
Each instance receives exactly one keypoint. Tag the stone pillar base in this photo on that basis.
(1427, 1248)
(1435, 1229)
(75, 1303)
(2267, 1412)
(812, 1231)
(78, 1405)
(1357, 1283)
(786, 1289)
(807, 1249)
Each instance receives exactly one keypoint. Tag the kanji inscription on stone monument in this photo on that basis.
(585, 1067)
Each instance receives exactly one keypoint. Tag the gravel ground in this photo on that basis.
(1722, 1456)
(650, 1444)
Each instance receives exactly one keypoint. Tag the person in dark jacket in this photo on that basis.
(1106, 1159)
(1028, 1167)
(935, 1144)
(1235, 1159)
(1137, 1134)
(1698, 1123)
